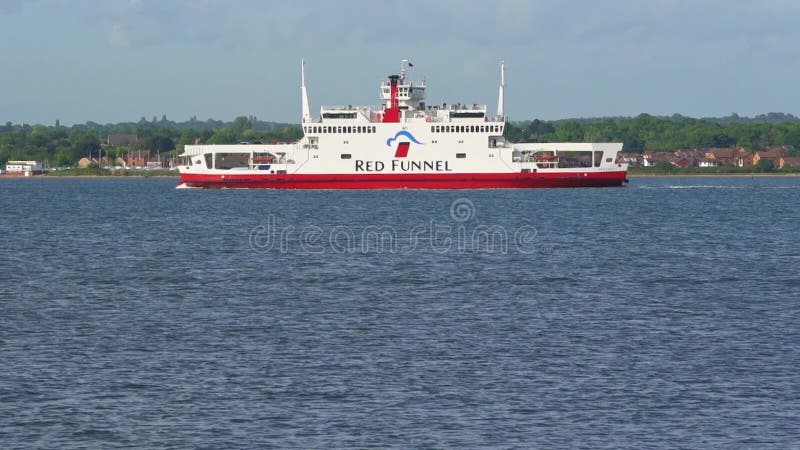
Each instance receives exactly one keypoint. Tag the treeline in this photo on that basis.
(63, 146)
(646, 132)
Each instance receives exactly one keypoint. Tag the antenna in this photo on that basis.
(501, 94)
(404, 66)
(304, 92)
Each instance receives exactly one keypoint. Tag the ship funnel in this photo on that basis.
(392, 113)
(304, 92)
(501, 94)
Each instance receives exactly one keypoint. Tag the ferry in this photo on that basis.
(404, 143)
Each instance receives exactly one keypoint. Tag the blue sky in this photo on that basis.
(119, 60)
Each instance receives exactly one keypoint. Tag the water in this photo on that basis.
(664, 314)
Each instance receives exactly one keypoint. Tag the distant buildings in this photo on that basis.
(714, 157)
(24, 168)
(132, 159)
(137, 158)
(789, 162)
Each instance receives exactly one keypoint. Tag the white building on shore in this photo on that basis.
(24, 168)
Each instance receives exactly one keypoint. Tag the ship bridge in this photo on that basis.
(402, 100)
(409, 95)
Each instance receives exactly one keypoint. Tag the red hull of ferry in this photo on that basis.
(407, 181)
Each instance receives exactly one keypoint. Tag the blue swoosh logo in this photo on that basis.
(403, 133)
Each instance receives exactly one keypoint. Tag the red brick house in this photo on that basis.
(138, 158)
(789, 162)
(726, 156)
(773, 156)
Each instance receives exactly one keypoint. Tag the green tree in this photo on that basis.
(664, 166)
(85, 143)
(240, 125)
(764, 165)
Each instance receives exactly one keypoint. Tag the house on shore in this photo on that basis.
(138, 158)
(787, 162)
(773, 156)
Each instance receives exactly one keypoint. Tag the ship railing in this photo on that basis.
(408, 83)
(459, 107)
(338, 108)
(365, 110)
(257, 161)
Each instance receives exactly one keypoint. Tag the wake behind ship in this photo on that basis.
(403, 143)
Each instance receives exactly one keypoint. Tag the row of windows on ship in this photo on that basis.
(467, 129)
(343, 129)
(434, 129)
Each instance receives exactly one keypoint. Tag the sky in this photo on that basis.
(119, 60)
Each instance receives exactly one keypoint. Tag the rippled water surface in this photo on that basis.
(663, 314)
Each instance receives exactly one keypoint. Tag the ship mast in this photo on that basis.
(304, 92)
(404, 65)
(500, 112)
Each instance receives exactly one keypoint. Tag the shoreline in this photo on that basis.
(714, 175)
